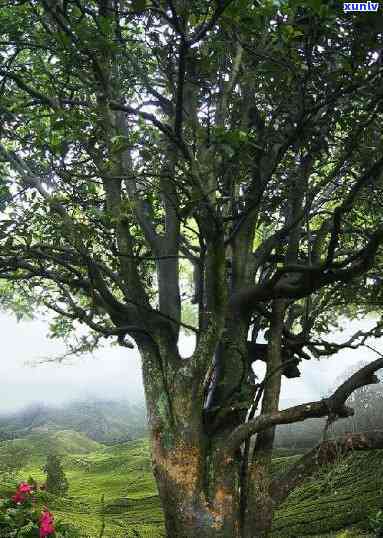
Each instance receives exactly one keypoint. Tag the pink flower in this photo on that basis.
(46, 524)
(22, 491)
(18, 498)
(25, 488)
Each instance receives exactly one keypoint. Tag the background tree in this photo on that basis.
(143, 139)
(13, 458)
(56, 481)
(367, 403)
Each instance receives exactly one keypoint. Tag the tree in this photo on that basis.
(13, 458)
(143, 140)
(367, 403)
(56, 482)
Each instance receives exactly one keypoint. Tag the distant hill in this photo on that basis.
(107, 422)
(40, 444)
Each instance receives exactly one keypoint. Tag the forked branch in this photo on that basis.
(331, 406)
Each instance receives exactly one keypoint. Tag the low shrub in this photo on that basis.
(376, 523)
(23, 516)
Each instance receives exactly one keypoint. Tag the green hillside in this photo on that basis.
(39, 444)
(339, 497)
(103, 421)
(122, 473)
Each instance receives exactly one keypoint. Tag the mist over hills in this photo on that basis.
(104, 421)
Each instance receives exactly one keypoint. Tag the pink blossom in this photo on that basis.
(18, 498)
(46, 524)
(25, 488)
(22, 491)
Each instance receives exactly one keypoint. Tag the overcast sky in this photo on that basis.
(115, 373)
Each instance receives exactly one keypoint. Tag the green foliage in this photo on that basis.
(13, 459)
(56, 481)
(15, 300)
(122, 473)
(128, 143)
(376, 523)
(18, 521)
(298, 59)
(5, 195)
(20, 515)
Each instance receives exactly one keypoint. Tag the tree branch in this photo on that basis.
(333, 405)
(204, 28)
(296, 282)
(367, 178)
(183, 49)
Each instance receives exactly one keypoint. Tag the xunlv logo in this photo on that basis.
(360, 6)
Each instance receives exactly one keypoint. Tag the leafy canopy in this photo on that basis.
(144, 142)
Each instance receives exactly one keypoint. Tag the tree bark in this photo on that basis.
(188, 510)
(259, 514)
(196, 484)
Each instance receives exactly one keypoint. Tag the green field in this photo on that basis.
(122, 473)
(340, 497)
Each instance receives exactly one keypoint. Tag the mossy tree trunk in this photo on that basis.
(197, 483)
(198, 479)
(198, 455)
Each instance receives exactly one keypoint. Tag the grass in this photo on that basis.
(335, 503)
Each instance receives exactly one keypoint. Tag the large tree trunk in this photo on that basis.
(198, 486)
(188, 508)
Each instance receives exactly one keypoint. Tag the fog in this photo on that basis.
(115, 372)
(110, 373)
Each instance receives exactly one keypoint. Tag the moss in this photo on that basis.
(167, 438)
